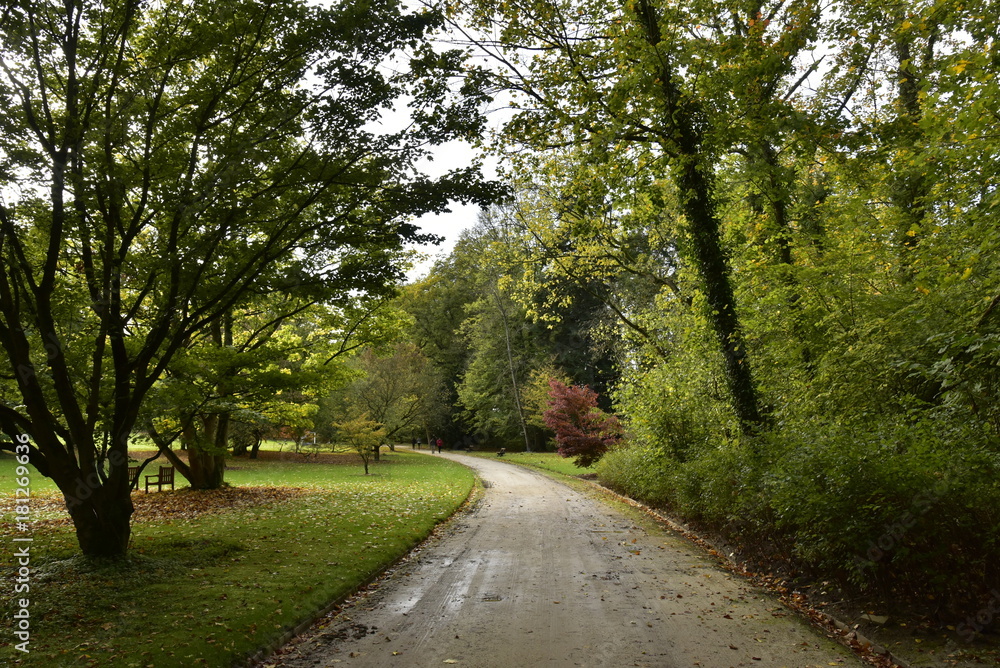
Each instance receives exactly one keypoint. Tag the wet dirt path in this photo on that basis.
(540, 575)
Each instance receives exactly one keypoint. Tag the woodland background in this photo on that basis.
(765, 233)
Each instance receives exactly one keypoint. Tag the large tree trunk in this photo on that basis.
(713, 268)
(102, 522)
(207, 469)
(207, 452)
(692, 173)
(99, 505)
(515, 391)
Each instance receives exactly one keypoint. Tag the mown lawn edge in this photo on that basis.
(261, 655)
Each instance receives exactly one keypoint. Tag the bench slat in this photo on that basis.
(164, 477)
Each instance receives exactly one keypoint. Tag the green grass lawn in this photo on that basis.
(546, 461)
(213, 576)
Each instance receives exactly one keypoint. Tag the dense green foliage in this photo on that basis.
(793, 216)
(168, 168)
(494, 352)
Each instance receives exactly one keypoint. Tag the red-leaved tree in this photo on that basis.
(582, 429)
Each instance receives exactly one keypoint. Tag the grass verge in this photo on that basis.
(545, 461)
(212, 577)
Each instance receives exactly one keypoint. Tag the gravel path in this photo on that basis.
(540, 575)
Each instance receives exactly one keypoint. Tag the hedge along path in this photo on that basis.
(539, 574)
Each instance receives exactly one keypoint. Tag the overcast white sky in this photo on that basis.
(450, 156)
(449, 225)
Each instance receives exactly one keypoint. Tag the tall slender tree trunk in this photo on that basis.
(911, 185)
(776, 189)
(513, 374)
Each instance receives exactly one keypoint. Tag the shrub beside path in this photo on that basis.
(539, 574)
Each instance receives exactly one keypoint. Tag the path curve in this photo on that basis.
(538, 574)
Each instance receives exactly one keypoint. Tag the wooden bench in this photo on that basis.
(501, 452)
(164, 477)
(133, 475)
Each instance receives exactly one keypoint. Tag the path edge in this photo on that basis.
(258, 657)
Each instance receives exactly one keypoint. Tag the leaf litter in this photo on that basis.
(49, 510)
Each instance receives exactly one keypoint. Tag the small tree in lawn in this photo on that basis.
(582, 429)
(364, 435)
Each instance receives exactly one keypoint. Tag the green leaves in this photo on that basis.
(363, 434)
(397, 388)
(174, 166)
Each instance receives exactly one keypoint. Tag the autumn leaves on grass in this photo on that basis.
(161, 507)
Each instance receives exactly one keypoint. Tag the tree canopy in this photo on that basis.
(765, 233)
(164, 165)
(782, 220)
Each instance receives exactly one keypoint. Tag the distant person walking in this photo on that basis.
(440, 443)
